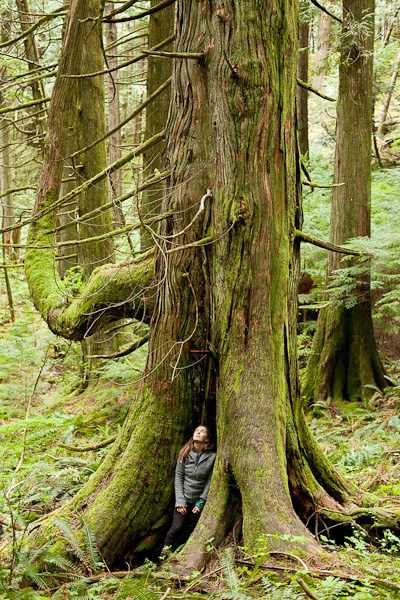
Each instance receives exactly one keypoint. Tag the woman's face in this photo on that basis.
(200, 434)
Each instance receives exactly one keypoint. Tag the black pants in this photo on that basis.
(182, 526)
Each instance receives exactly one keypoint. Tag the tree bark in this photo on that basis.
(302, 93)
(344, 357)
(386, 104)
(113, 119)
(324, 43)
(161, 26)
(33, 57)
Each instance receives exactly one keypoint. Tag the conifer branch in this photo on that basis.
(188, 55)
(309, 87)
(312, 184)
(100, 209)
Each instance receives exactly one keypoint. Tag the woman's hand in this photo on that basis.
(196, 510)
(182, 510)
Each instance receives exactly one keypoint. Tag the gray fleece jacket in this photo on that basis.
(192, 481)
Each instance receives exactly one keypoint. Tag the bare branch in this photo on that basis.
(326, 11)
(140, 56)
(56, 13)
(310, 239)
(309, 87)
(150, 11)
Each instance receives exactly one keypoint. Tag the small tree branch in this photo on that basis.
(131, 61)
(56, 13)
(131, 348)
(90, 447)
(310, 239)
(326, 11)
(150, 11)
(309, 87)
(193, 55)
(312, 184)
(8, 109)
(133, 114)
(89, 182)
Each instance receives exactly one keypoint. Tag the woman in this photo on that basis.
(192, 482)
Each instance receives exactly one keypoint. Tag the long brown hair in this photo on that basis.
(183, 454)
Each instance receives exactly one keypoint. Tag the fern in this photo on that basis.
(231, 580)
(90, 545)
(72, 539)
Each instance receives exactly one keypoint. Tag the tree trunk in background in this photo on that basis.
(324, 44)
(344, 357)
(302, 93)
(90, 126)
(223, 332)
(33, 57)
(114, 118)
(385, 109)
(161, 26)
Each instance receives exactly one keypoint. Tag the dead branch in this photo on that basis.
(310, 239)
(145, 13)
(90, 447)
(131, 348)
(309, 87)
(326, 11)
(140, 56)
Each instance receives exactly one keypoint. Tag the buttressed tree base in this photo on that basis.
(222, 296)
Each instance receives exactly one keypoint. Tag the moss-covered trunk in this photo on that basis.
(223, 330)
(344, 356)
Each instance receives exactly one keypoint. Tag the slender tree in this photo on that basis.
(161, 26)
(344, 358)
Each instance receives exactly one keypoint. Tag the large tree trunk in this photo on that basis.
(344, 356)
(223, 329)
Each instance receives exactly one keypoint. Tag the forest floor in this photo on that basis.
(41, 413)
